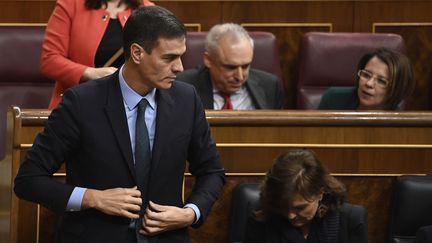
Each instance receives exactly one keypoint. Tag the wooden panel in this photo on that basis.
(368, 12)
(26, 11)
(353, 143)
(360, 161)
(207, 13)
(339, 13)
(418, 40)
(288, 37)
(193, 27)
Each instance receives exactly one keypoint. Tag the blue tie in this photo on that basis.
(142, 162)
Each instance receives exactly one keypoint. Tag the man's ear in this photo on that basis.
(207, 60)
(136, 52)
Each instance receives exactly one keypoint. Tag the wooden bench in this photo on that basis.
(366, 150)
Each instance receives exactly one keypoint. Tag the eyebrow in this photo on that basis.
(171, 56)
(301, 205)
(235, 66)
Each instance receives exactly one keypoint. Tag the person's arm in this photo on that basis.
(279, 97)
(57, 142)
(358, 225)
(254, 231)
(50, 149)
(204, 164)
(55, 61)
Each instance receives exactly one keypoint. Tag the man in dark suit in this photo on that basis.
(227, 81)
(97, 131)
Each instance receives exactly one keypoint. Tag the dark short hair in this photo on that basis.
(147, 24)
(401, 82)
(298, 171)
(97, 4)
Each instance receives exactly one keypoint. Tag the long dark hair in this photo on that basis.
(97, 4)
(298, 172)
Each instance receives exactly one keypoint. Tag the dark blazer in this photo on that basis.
(345, 98)
(89, 131)
(352, 227)
(339, 98)
(264, 88)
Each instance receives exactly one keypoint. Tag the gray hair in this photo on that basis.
(234, 32)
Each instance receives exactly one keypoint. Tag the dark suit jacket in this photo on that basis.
(89, 131)
(352, 228)
(264, 88)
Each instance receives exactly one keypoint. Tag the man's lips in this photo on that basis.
(235, 85)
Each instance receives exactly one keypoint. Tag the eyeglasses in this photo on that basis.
(366, 75)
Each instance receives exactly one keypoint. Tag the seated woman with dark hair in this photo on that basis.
(384, 80)
(302, 202)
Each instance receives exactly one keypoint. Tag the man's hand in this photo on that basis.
(125, 202)
(160, 218)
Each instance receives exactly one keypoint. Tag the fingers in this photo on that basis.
(154, 220)
(158, 207)
(159, 218)
(109, 70)
(125, 202)
(151, 231)
(133, 192)
(129, 214)
(153, 223)
(132, 201)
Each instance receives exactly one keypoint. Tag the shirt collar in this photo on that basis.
(238, 92)
(132, 98)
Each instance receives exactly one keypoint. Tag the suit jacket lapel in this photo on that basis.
(205, 88)
(257, 93)
(117, 117)
(163, 118)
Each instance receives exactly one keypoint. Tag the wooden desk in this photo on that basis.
(365, 150)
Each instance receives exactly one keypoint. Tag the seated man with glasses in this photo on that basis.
(384, 80)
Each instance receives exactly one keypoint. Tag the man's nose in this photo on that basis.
(177, 66)
(239, 74)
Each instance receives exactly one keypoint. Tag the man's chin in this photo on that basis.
(297, 223)
(232, 90)
(166, 85)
